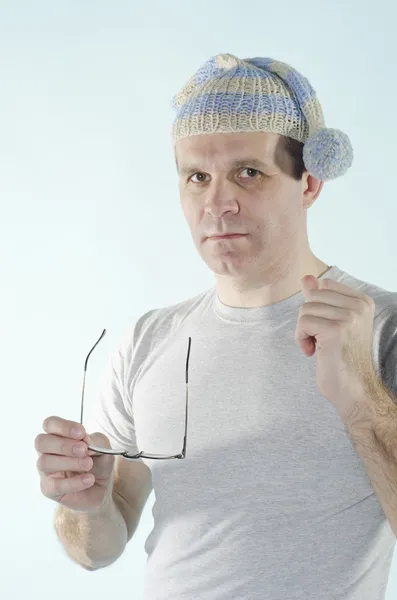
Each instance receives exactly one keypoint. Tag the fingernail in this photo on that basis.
(77, 432)
(79, 450)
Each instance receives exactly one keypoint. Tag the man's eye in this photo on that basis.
(252, 172)
(200, 180)
(251, 175)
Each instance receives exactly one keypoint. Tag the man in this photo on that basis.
(276, 497)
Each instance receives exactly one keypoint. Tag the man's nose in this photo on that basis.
(221, 200)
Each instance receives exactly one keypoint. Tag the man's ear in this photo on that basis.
(312, 189)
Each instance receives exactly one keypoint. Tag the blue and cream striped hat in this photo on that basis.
(261, 94)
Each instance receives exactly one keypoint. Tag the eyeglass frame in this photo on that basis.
(142, 454)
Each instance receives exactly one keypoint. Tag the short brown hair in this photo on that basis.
(289, 156)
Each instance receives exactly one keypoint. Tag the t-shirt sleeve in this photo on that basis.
(385, 340)
(111, 410)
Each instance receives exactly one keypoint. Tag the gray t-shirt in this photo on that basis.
(272, 502)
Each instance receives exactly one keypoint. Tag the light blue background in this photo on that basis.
(91, 231)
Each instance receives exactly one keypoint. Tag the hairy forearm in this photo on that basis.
(372, 427)
(93, 540)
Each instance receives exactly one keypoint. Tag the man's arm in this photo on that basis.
(96, 540)
(93, 540)
(372, 427)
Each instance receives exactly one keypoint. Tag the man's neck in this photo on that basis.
(275, 288)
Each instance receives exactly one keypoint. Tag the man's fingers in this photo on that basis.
(64, 428)
(51, 463)
(55, 444)
(54, 488)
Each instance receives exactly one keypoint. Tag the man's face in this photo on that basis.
(223, 190)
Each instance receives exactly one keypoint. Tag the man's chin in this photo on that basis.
(226, 264)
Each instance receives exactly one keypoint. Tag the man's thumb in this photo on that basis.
(98, 440)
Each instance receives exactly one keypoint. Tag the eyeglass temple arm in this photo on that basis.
(187, 395)
(85, 370)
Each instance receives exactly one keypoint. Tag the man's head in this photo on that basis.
(251, 183)
(254, 109)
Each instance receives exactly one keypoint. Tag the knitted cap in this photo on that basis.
(261, 94)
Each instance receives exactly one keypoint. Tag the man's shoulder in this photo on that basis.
(384, 347)
(158, 323)
(385, 300)
(177, 310)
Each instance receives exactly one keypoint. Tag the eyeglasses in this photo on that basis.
(142, 454)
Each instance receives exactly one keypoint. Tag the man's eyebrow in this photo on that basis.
(237, 162)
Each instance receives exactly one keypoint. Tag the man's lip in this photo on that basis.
(225, 235)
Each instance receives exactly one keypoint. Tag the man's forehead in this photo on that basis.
(225, 150)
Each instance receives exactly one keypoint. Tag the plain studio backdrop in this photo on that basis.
(92, 234)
